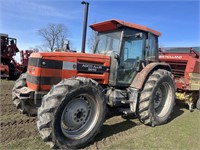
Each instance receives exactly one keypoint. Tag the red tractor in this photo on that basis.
(185, 65)
(9, 67)
(75, 91)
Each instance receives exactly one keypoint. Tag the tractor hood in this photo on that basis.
(49, 68)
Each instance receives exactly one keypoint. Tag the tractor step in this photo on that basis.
(126, 102)
(126, 111)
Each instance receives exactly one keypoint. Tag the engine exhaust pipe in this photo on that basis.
(84, 25)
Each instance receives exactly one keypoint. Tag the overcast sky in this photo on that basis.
(177, 20)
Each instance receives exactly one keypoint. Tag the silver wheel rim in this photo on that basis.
(163, 99)
(79, 116)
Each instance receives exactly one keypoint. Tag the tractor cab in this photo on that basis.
(130, 46)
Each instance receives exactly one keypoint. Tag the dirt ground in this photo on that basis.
(14, 126)
(18, 131)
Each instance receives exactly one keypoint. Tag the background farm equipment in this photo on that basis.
(185, 65)
(24, 55)
(9, 67)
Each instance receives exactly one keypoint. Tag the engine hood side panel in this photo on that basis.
(46, 69)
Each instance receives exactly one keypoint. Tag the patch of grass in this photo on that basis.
(25, 144)
(181, 133)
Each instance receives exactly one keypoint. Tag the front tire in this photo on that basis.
(157, 98)
(72, 113)
(198, 104)
(25, 106)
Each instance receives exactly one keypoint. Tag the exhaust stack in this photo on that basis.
(84, 25)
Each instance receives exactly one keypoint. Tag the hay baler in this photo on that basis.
(185, 65)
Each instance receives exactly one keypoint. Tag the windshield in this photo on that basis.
(108, 42)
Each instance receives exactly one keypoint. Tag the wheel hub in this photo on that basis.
(76, 113)
(80, 115)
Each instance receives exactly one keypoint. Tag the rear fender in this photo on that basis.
(141, 77)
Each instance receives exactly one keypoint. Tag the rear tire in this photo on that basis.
(72, 113)
(157, 98)
(25, 106)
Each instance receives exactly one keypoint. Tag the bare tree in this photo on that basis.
(91, 40)
(54, 36)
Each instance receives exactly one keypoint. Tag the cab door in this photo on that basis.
(132, 53)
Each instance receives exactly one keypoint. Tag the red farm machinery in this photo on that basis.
(9, 67)
(185, 65)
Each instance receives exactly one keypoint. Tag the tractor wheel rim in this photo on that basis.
(162, 99)
(79, 117)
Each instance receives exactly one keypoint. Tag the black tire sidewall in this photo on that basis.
(25, 105)
(61, 138)
(19, 83)
(198, 104)
(156, 119)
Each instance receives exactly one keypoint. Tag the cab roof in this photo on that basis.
(115, 24)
